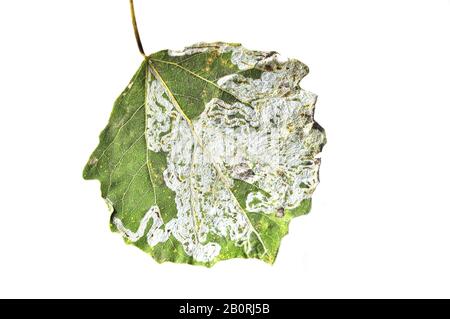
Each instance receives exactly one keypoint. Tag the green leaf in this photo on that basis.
(209, 153)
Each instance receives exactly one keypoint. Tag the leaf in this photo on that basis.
(209, 153)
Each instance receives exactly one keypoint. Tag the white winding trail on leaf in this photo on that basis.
(267, 139)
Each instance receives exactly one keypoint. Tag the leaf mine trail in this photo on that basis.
(232, 152)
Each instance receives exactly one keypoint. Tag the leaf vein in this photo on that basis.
(204, 79)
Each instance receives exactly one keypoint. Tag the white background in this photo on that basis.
(380, 223)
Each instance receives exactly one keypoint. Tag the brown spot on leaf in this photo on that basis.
(280, 212)
(93, 161)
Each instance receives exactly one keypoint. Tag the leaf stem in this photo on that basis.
(135, 28)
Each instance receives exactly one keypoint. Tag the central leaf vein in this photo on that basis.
(198, 141)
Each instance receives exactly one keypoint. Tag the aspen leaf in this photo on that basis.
(209, 153)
